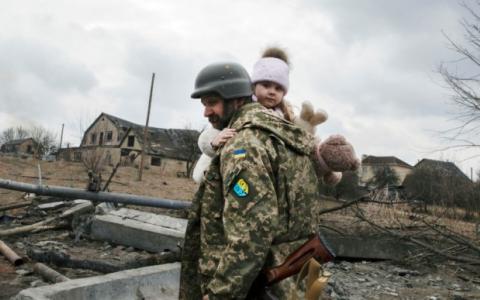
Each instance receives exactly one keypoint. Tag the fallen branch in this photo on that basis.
(105, 187)
(345, 205)
(456, 237)
(62, 259)
(15, 205)
(42, 225)
(416, 241)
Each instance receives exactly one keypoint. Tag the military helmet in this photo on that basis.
(228, 80)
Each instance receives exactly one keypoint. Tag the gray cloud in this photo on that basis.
(369, 63)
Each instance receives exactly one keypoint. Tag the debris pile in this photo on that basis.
(53, 247)
(47, 240)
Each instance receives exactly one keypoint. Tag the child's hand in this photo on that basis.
(223, 137)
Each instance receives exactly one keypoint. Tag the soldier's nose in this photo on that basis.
(207, 111)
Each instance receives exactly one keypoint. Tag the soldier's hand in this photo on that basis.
(205, 297)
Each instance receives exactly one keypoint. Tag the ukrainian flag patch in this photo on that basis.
(239, 153)
(240, 188)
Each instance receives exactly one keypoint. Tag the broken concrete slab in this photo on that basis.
(156, 282)
(156, 233)
(141, 230)
(368, 246)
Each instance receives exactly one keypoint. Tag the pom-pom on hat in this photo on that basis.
(273, 66)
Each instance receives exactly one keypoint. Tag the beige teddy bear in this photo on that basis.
(335, 154)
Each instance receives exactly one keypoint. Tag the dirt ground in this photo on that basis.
(155, 182)
(350, 280)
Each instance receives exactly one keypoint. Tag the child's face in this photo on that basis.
(268, 93)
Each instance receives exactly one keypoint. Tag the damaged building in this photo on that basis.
(19, 146)
(119, 140)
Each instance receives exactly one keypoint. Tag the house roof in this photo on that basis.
(121, 123)
(384, 160)
(173, 143)
(449, 167)
(17, 142)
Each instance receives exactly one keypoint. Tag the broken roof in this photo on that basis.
(124, 124)
(17, 142)
(172, 143)
(384, 160)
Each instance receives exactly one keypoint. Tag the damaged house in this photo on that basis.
(119, 140)
(446, 168)
(20, 146)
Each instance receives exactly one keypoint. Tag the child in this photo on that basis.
(270, 79)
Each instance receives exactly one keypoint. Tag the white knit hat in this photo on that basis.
(271, 69)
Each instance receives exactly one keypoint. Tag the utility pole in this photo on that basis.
(145, 131)
(61, 138)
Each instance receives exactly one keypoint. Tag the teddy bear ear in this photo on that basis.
(307, 111)
(319, 117)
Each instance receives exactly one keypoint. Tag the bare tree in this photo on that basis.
(462, 78)
(94, 160)
(44, 140)
(384, 177)
(13, 133)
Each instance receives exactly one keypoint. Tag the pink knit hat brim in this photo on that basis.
(271, 69)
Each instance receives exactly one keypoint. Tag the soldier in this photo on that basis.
(257, 203)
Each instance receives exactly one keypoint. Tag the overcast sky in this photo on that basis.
(369, 63)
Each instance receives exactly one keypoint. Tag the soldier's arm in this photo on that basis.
(250, 217)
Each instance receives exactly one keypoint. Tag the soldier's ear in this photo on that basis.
(237, 103)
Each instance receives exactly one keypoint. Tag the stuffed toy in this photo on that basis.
(309, 118)
(206, 136)
(335, 154)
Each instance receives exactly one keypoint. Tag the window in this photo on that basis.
(77, 156)
(93, 138)
(109, 136)
(131, 141)
(100, 140)
(156, 161)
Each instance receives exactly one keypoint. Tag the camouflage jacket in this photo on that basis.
(256, 205)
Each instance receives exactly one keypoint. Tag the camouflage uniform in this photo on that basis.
(257, 204)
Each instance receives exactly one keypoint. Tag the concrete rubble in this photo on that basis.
(365, 276)
(156, 282)
(138, 229)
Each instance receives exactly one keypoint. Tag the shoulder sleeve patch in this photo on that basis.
(241, 188)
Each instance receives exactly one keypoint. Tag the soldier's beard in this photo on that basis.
(220, 122)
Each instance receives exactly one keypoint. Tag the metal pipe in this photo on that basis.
(71, 193)
(49, 273)
(10, 254)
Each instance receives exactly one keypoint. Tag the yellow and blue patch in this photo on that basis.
(240, 188)
(239, 153)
